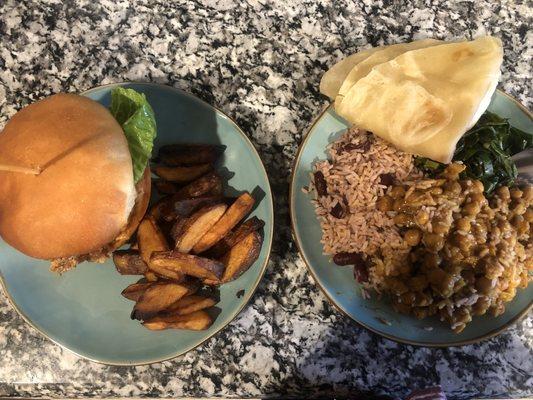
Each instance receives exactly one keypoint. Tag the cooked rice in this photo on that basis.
(355, 175)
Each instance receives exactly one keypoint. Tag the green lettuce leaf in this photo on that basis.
(134, 114)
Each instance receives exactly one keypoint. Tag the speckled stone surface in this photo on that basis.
(260, 62)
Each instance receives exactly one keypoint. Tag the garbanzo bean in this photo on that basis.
(397, 192)
(465, 243)
(477, 186)
(527, 193)
(519, 208)
(452, 188)
(433, 241)
(472, 208)
(398, 204)
(503, 193)
(421, 218)
(402, 219)
(412, 237)
(463, 224)
(516, 193)
(522, 228)
(440, 227)
(481, 306)
(385, 203)
(528, 215)
(408, 298)
(478, 197)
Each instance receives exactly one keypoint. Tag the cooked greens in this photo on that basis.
(486, 150)
(134, 114)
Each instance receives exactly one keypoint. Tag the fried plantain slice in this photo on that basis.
(187, 264)
(165, 187)
(191, 230)
(196, 321)
(190, 154)
(136, 290)
(241, 256)
(129, 262)
(156, 298)
(235, 213)
(234, 237)
(181, 174)
(209, 184)
(190, 304)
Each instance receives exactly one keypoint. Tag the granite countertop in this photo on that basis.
(261, 63)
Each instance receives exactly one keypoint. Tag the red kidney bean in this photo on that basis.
(386, 179)
(338, 211)
(345, 258)
(320, 184)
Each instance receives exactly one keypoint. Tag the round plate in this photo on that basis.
(82, 310)
(338, 283)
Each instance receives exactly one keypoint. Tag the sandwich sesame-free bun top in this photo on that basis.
(83, 197)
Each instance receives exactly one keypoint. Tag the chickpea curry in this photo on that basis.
(465, 254)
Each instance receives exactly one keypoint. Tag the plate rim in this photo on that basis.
(247, 297)
(292, 182)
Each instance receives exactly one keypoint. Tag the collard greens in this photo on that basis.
(486, 150)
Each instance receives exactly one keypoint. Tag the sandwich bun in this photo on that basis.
(84, 200)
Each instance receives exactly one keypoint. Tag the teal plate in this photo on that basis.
(338, 283)
(82, 310)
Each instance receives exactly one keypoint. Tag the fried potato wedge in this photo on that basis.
(190, 304)
(188, 264)
(196, 226)
(201, 192)
(136, 290)
(129, 262)
(159, 210)
(150, 239)
(177, 228)
(156, 298)
(209, 184)
(169, 209)
(165, 187)
(186, 207)
(234, 214)
(181, 174)
(150, 276)
(234, 237)
(190, 154)
(196, 321)
(241, 256)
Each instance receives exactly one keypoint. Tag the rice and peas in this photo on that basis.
(435, 246)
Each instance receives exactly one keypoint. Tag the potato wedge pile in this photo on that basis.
(190, 239)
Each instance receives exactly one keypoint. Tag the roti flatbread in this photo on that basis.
(381, 56)
(332, 80)
(424, 100)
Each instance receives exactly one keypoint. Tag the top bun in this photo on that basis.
(83, 197)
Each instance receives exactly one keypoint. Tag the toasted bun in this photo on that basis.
(83, 197)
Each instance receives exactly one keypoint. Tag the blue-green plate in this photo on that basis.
(82, 310)
(338, 283)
